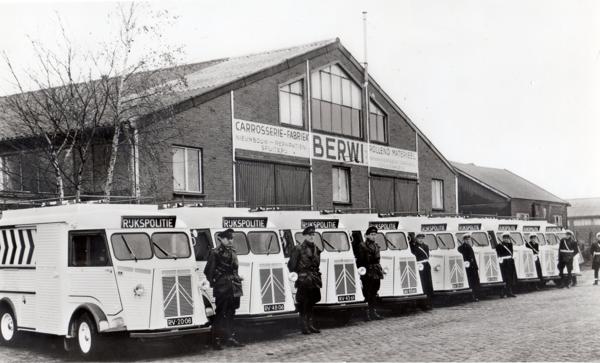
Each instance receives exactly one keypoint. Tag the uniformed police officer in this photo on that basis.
(368, 257)
(504, 250)
(534, 246)
(222, 272)
(421, 252)
(595, 252)
(305, 259)
(470, 265)
(567, 249)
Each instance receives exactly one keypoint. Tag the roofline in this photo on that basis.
(544, 189)
(487, 186)
(543, 200)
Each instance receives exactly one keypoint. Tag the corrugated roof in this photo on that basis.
(505, 182)
(584, 207)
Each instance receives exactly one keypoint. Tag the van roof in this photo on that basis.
(212, 217)
(81, 216)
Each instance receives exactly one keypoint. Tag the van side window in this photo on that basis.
(288, 242)
(493, 239)
(203, 244)
(88, 249)
(357, 239)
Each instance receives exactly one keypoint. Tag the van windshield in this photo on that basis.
(335, 241)
(479, 239)
(551, 238)
(445, 241)
(240, 242)
(431, 242)
(396, 240)
(131, 246)
(263, 243)
(171, 245)
(517, 238)
(317, 239)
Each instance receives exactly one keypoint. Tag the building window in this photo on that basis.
(291, 103)
(522, 216)
(377, 124)
(558, 220)
(187, 169)
(437, 194)
(336, 102)
(340, 181)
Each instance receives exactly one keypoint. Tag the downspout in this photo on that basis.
(233, 151)
(310, 141)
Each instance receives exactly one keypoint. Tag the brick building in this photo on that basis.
(483, 190)
(584, 218)
(290, 127)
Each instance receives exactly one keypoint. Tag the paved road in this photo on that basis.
(553, 324)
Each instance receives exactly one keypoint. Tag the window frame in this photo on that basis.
(268, 253)
(349, 188)
(189, 246)
(441, 181)
(185, 171)
(87, 232)
(303, 97)
(558, 220)
(386, 123)
(137, 258)
(195, 242)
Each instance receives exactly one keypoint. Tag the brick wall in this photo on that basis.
(432, 167)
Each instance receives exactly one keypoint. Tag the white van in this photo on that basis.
(84, 271)
(548, 250)
(447, 266)
(266, 286)
(523, 256)
(487, 258)
(341, 290)
(401, 281)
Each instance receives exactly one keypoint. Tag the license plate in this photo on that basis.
(186, 320)
(346, 298)
(492, 279)
(457, 286)
(412, 290)
(273, 307)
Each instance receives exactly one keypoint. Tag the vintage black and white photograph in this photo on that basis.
(299, 181)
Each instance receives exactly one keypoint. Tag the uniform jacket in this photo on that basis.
(421, 251)
(305, 260)
(595, 252)
(564, 245)
(534, 246)
(468, 255)
(504, 250)
(222, 272)
(368, 257)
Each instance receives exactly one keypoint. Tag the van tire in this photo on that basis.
(87, 340)
(9, 333)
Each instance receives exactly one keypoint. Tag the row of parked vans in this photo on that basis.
(82, 271)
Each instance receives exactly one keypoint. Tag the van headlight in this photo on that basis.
(204, 285)
(437, 267)
(138, 290)
(467, 264)
(362, 270)
(421, 266)
(535, 257)
(293, 276)
(386, 270)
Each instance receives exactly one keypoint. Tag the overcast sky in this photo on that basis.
(506, 84)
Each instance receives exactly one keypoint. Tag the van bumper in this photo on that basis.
(266, 318)
(149, 334)
(531, 279)
(340, 306)
(491, 285)
(451, 292)
(390, 300)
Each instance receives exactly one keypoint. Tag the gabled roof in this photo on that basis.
(209, 79)
(506, 183)
(584, 207)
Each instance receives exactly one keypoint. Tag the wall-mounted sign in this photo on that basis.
(320, 223)
(553, 229)
(128, 222)
(255, 136)
(531, 228)
(507, 227)
(469, 227)
(384, 225)
(244, 222)
(433, 227)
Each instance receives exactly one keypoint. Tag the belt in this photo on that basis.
(423, 261)
(596, 253)
(569, 251)
(501, 259)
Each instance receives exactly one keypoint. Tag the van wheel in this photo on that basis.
(8, 327)
(86, 336)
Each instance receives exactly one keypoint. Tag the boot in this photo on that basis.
(311, 326)
(374, 315)
(217, 343)
(305, 329)
(596, 282)
(232, 342)
(368, 314)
